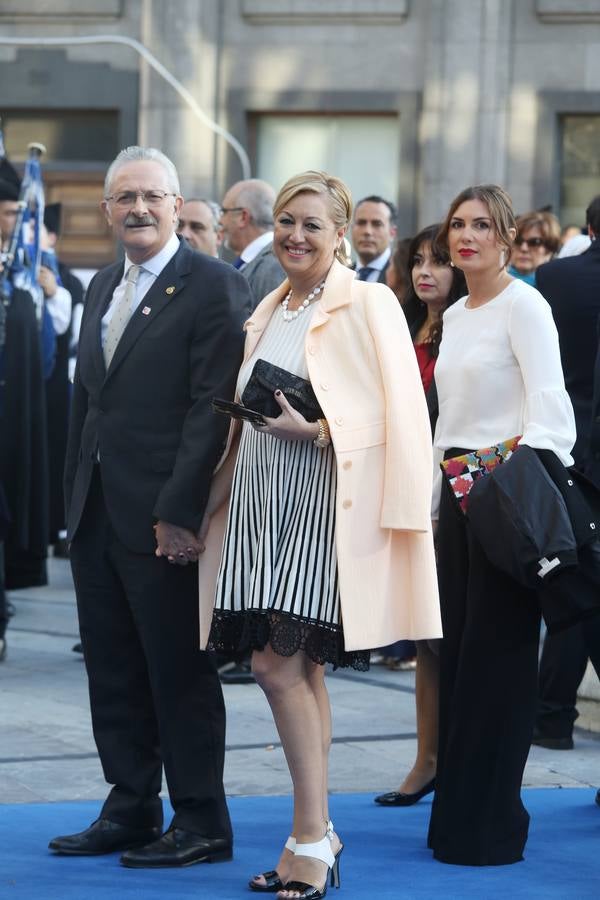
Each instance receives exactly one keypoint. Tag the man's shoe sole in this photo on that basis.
(59, 851)
(219, 856)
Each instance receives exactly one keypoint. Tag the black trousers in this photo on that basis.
(562, 666)
(155, 697)
(488, 690)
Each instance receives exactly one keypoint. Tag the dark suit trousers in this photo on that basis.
(488, 690)
(155, 697)
(562, 666)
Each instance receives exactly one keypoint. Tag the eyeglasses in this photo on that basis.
(126, 199)
(530, 242)
(226, 209)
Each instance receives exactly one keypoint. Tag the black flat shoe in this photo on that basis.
(178, 848)
(395, 798)
(103, 836)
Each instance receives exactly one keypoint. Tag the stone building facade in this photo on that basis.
(414, 99)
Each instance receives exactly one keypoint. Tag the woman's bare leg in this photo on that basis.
(297, 712)
(316, 678)
(427, 697)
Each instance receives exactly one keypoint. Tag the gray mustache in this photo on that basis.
(140, 220)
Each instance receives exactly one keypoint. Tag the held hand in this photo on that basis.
(47, 281)
(290, 425)
(179, 545)
(203, 531)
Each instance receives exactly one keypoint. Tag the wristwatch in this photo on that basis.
(323, 439)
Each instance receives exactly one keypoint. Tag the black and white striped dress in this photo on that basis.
(278, 580)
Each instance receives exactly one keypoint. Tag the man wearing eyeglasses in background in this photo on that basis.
(199, 225)
(247, 225)
(161, 335)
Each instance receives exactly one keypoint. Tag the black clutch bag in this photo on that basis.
(266, 379)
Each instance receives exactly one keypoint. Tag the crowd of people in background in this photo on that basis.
(456, 310)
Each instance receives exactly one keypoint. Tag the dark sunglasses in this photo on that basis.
(531, 242)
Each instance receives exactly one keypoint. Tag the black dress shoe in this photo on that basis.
(2, 649)
(103, 836)
(61, 549)
(240, 673)
(178, 848)
(540, 739)
(598, 797)
(395, 798)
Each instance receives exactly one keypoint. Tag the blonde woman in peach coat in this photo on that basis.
(318, 534)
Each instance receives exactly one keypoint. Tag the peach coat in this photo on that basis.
(363, 369)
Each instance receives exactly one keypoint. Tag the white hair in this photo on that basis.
(143, 154)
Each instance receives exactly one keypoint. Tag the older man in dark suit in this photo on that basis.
(161, 335)
(572, 288)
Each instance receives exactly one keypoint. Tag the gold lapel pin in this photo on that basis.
(170, 290)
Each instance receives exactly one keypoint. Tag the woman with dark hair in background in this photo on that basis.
(498, 377)
(434, 286)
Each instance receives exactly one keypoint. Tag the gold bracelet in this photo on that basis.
(323, 439)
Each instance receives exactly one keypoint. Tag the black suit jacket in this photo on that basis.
(380, 277)
(572, 288)
(149, 418)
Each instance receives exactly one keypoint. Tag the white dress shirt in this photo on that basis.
(149, 272)
(499, 375)
(376, 264)
(255, 246)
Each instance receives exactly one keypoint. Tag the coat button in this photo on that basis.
(339, 420)
(593, 526)
(569, 482)
(347, 464)
(324, 386)
(347, 504)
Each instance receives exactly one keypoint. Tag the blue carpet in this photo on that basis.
(385, 855)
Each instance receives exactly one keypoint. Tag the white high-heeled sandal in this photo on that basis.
(322, 851)
(272, 878)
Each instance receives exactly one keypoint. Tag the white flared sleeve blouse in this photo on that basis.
(499, 375)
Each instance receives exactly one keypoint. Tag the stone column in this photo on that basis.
(183, 36)
(466, 89)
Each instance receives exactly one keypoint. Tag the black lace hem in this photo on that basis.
(234, 632)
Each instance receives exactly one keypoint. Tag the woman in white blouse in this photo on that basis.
(498, 375)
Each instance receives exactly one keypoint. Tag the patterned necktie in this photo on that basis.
(364, 272)
(121, 315)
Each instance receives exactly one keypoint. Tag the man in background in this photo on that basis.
(57, 386)
(247, 224)
(572, 288)
(373, 231)
(199, 225)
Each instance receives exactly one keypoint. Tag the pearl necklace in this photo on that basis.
(290, 316)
